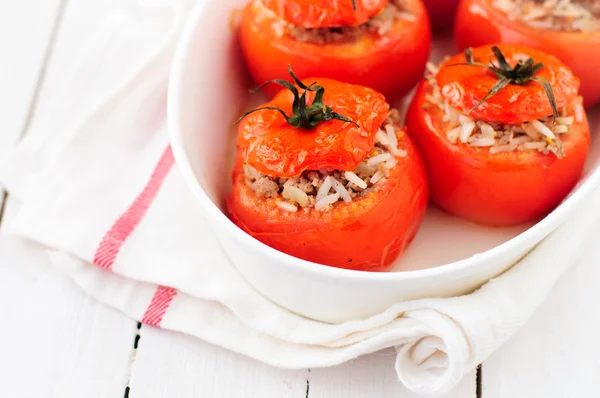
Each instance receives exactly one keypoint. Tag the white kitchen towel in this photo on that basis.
(98, 188)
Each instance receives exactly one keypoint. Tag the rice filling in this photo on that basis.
(542, 135)
(557, 15)
(379, 24)
(321, 189)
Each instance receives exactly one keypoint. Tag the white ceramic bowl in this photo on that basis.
(448, 257)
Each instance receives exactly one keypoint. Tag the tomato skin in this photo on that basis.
(479, 23)
(495, 189)
(372, 61)
(441, 13)
(464, 86)
(275, 148)
(371, 231)
(324, 13)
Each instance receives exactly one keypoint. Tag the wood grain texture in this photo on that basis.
(55, 341)
(556, 353)
(25, 43)
(167, 362)
(372, 376)
(174, 365)
(26, 35)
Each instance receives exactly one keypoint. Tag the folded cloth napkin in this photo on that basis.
(98, 188)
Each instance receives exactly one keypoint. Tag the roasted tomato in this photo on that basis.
(492, 162)
(569, 30)
(384, 45)
(441, 13)
(336, 182)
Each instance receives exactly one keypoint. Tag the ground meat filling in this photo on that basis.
(380, 24)
(542, 135)
(322, 189)
(557, 15)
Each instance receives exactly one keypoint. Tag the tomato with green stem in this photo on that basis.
(388, 56)
(287, 138)
(479, 22)
(476, 182)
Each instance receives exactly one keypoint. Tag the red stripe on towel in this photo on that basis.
(158, 306)
(113, 240)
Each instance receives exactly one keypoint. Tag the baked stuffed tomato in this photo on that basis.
(502, 131)
(567, 29)
(336, 182)
(328, 38)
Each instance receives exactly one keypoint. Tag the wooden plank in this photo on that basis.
(170, 364)
(26, 34)
(555, 354)
(25, 41)
(370, 376)
(55, 341)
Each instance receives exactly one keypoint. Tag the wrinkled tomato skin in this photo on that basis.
(325, 13)
(441, 13)
(495, 189)
(391, 64)
(464, 86)
(275, 148)
(367, 234)
(478, 23)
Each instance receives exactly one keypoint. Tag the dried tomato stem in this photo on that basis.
(303, 116)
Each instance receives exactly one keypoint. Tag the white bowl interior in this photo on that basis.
(214, 94)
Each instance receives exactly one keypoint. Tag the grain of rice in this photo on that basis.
(468, 125)
(519, 140)
(543, 129)
(533, 145)
(390, 164)
(363, 168)
(482, 142)
(530, 131)
(534, 14)
(296, 194)
(487, 130)
(454, 134)
(324, 203)
(560, 129)
(452, 114)
(356, 180)
(377, 176)
(578, 109)
(287, 206)
(382, 138)
(291, 181)
(503, 148)
(324, 189)
(341, 191)
(376, 160)
(565, 120)
(391, 133)
(432, 68)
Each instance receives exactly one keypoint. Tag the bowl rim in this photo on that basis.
(216, 216)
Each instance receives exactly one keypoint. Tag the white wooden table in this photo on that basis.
(57, 342)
